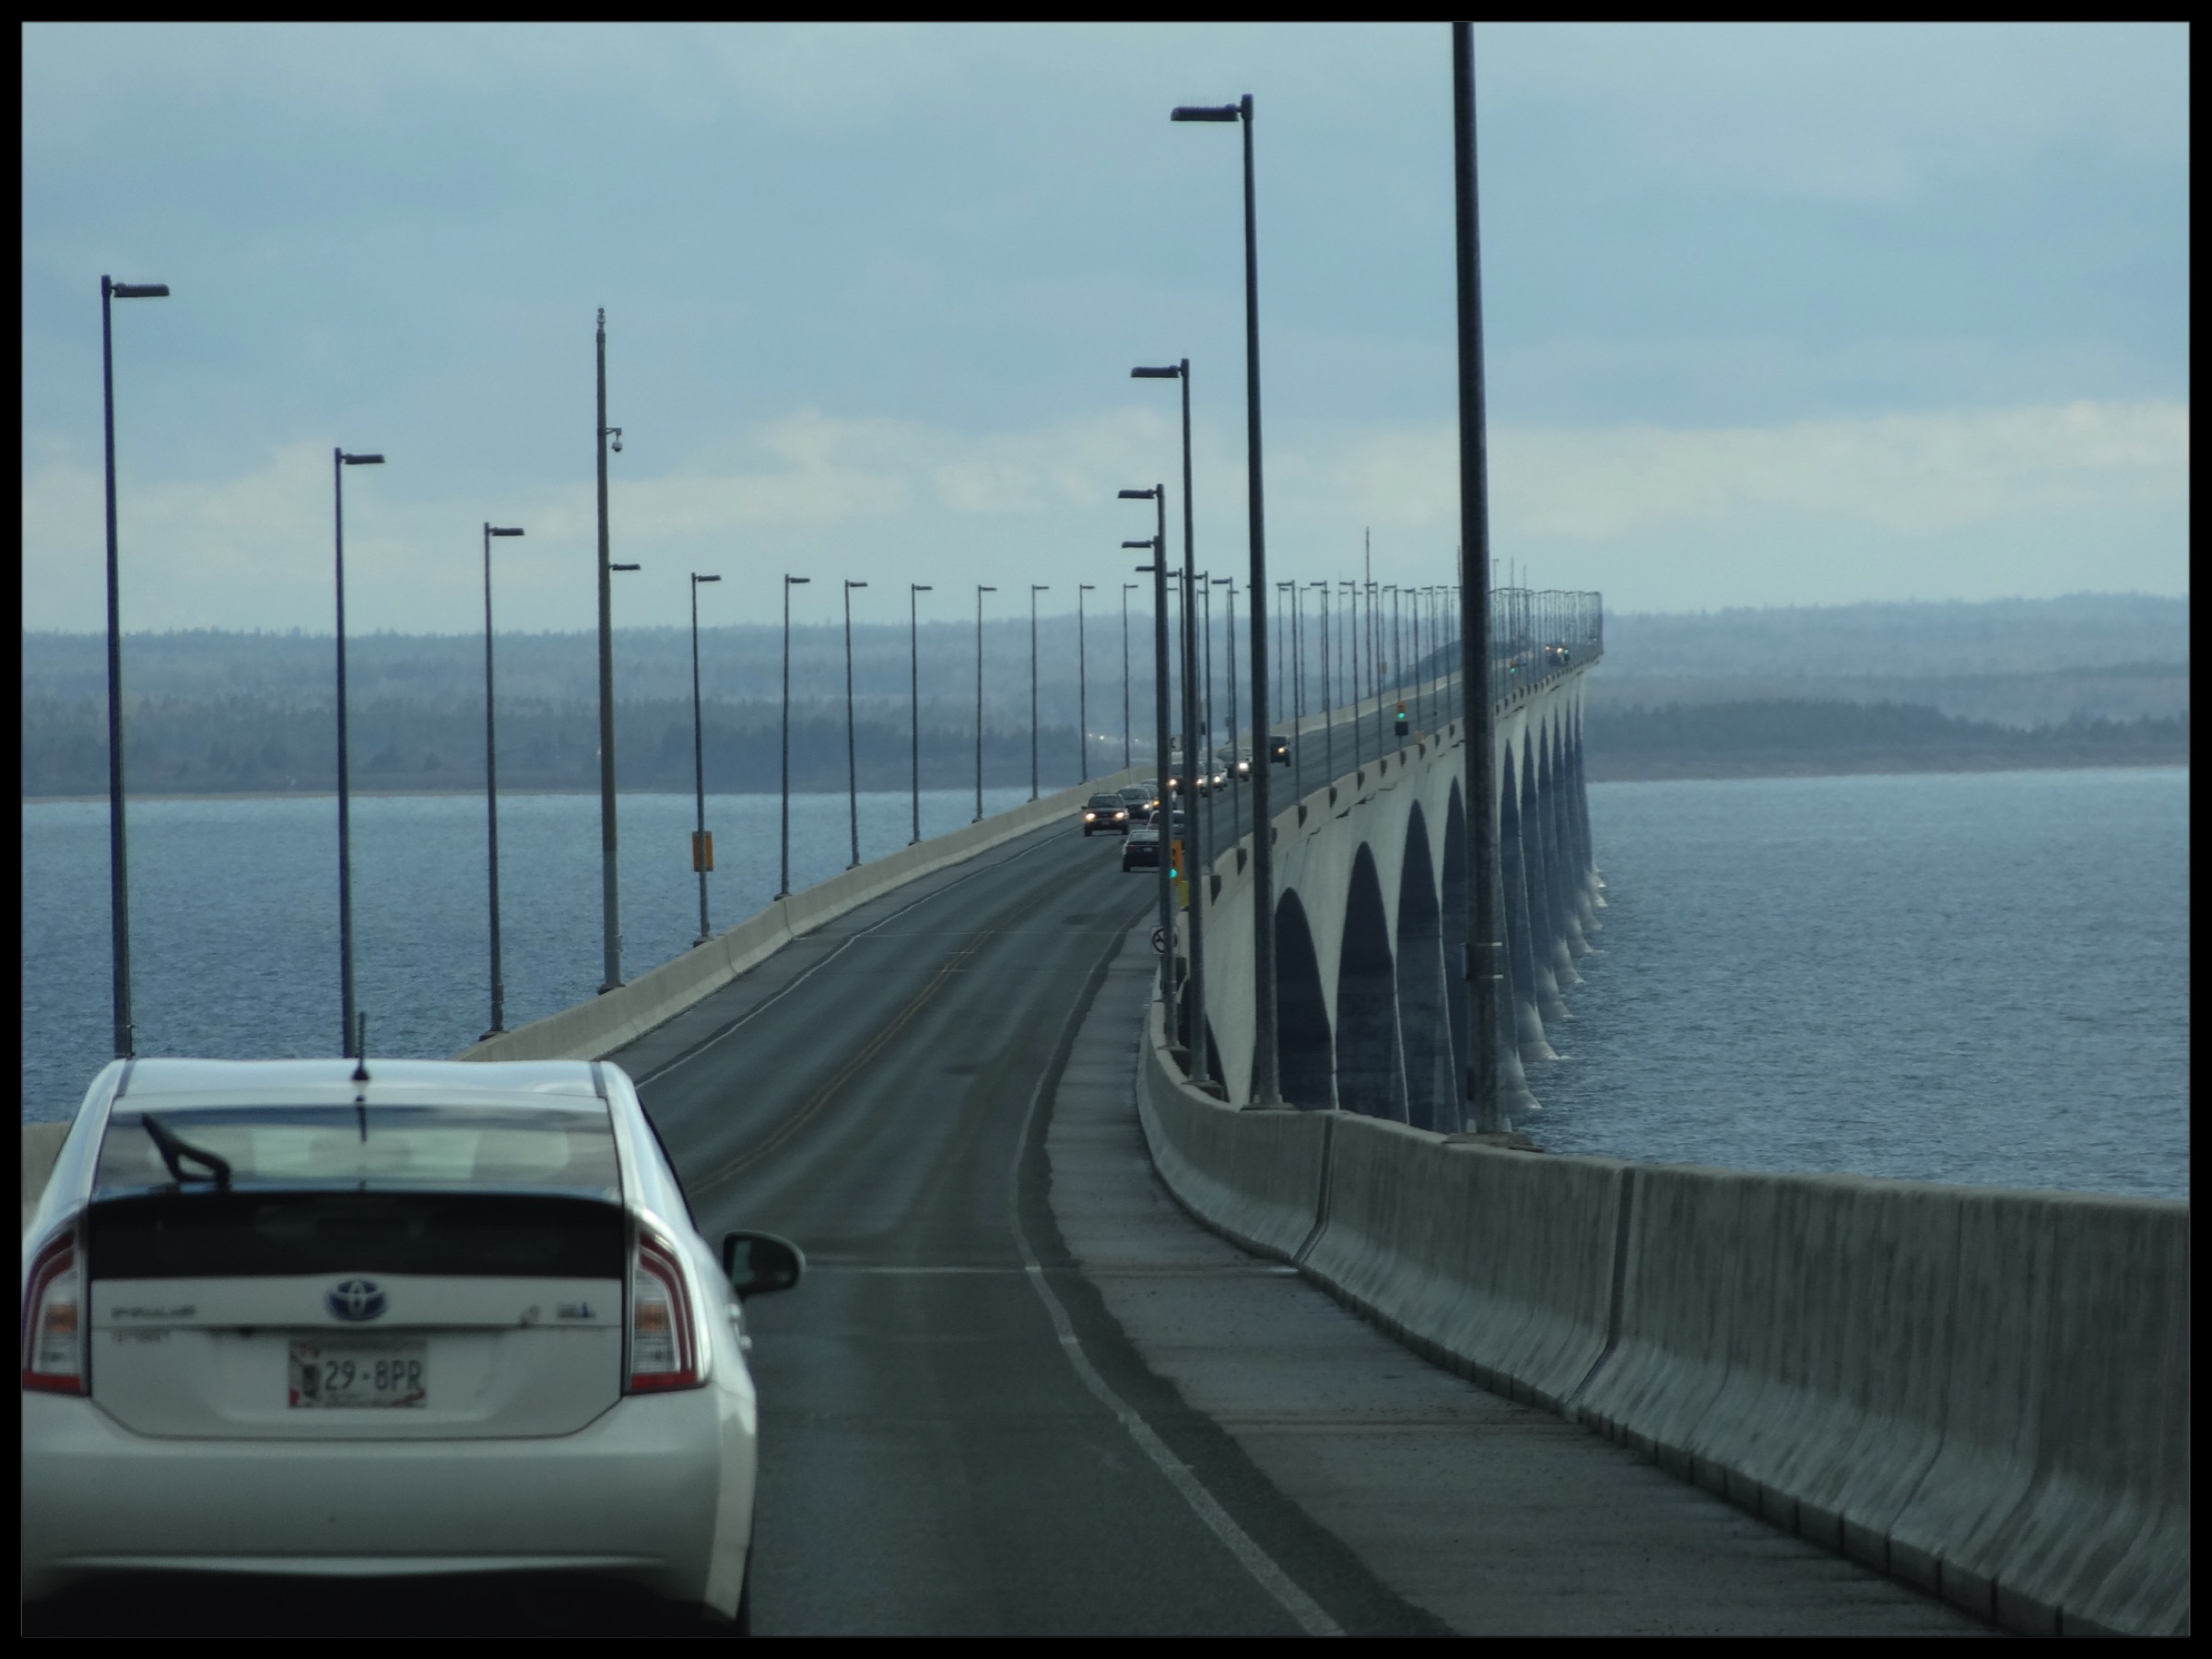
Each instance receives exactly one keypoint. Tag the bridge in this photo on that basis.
(1088, 1347)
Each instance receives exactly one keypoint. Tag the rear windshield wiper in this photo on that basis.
(174, 1149)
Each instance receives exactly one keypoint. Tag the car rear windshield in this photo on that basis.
(1114, 801)
(537, 1147)
(274, 1235)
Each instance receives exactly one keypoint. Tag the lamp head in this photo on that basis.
(796, 580)
(138, 290)
(1173, 372)
(362, 460)
(1208, 111)
(496, 529)
(696, 577)
(1138, 495)
(624, 567)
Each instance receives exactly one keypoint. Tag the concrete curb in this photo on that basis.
(1983, 1393)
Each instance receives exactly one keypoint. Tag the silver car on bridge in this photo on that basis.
(392, 1318)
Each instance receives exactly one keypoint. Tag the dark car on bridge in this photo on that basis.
(1139, 799)
(1106, 812)
(1278, 751)
(1141, 850)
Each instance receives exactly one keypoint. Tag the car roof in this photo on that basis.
(156, 1083)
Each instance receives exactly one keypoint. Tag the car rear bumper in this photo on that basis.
(642, 1493)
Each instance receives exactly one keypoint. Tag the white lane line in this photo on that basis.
(1250, 1556)
(799, 979)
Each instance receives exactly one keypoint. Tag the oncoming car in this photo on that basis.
(1109, 813)
(391, 1319)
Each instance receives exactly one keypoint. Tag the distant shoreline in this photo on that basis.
(1619, 769)
(1653, 768)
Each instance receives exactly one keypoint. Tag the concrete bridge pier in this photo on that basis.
(1558, 863)
(1566, 871)
(1520, 949)
(1592, 884)
(1537, 858)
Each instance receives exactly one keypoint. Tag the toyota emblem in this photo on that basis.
(355, 1301)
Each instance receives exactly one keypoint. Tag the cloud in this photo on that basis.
(1914, 473)
(1935, 495)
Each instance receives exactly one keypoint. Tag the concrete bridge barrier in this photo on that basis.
(1982, 1391)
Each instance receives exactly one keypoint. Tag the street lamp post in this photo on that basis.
(1201, 653)
(703, 860)
(1127, 588)
(1082, 689)
(852, 769)
(1328, 709)
(491, 794)
(1163, 815)
(1229, 637)
(783, 880)
(609, 887)
(350, 1044)
(1195, 850)
(1352, 598)
(913, 692)
(1484, 891)
(1035, 588)
(119, 894)
(979, 592)
(1298, 691)
(1266, 1088)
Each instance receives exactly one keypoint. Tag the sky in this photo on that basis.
(1774, 315)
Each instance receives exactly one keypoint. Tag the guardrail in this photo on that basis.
(1983, 1393)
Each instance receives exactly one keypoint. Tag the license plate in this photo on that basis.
(350, 1375)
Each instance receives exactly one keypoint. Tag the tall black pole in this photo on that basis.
(851, 768)
(1297, 693)
(1486, 900)
(1035, 588)
(914, 590)
(1163, 810)
(700, 860)
(337, 477)
(1352, 628)
(979, 592)
(1205, 699)
(784, 881)
(491, 797)
(610, 903)
(1082, 690)
(1126, 588)
(1328, 709)
(1195, 848)
(1236, 751)
(119, 884)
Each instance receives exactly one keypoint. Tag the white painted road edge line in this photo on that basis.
(1250, 1556)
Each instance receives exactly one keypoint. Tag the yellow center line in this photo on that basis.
(845, 1072)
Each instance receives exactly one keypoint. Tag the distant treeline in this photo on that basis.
(1785, 735)
(174, 745)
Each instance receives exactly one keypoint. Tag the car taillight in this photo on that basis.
(662, 1352)
(54, 1323)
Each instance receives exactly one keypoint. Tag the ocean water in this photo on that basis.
(1979, 978)
(234, 914)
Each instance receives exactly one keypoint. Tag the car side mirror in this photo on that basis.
(758, 1262)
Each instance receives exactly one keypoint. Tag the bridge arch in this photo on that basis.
(1424, 1032)
(1305, 1056)
(1370, 1077)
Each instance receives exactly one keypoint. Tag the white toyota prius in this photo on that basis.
(398, 1317)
